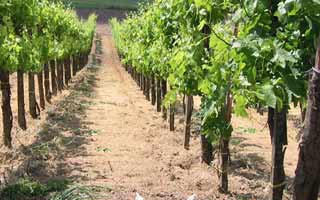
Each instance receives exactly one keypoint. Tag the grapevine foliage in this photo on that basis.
(33, 32)
(259, 50)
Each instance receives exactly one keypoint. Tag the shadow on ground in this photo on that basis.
(63, 135)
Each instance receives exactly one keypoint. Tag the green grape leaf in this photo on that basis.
(240, 106)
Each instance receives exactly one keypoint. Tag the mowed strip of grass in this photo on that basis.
(119, 4)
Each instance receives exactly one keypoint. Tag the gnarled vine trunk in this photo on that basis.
(67, 71)
(21, 105)
(47, 82)
(6, 107)
(141, 83)
(224, 165)
(81, 59)
(206, 150)
(153, 90)
(144, 89)
(206, 145)
(32, 96)
(41, 91)
(60, 75)
(171, 116)
(163, 94)
(53, 78)
(224, 147)
(148, 88)
(277, 121)
(188, 115)
(307, 180)
(74, 65)
(184, 104)
(158, 89)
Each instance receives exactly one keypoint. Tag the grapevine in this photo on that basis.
(233, 54)
(33, 35)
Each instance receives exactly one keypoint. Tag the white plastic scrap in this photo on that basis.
(138, 197)
(192, 197)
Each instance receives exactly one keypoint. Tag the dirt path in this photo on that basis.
(134, 151)
(142, 156)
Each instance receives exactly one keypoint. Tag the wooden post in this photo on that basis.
(188, 115)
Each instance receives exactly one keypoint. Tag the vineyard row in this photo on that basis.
(235, 55)
(43, 38)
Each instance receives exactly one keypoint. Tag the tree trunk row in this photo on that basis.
(60, 75)
(155, 91)
(307, 180)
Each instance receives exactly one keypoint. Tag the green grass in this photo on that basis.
(27, 189)
(119, 4)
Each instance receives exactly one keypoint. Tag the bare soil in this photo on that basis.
(102, 131)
